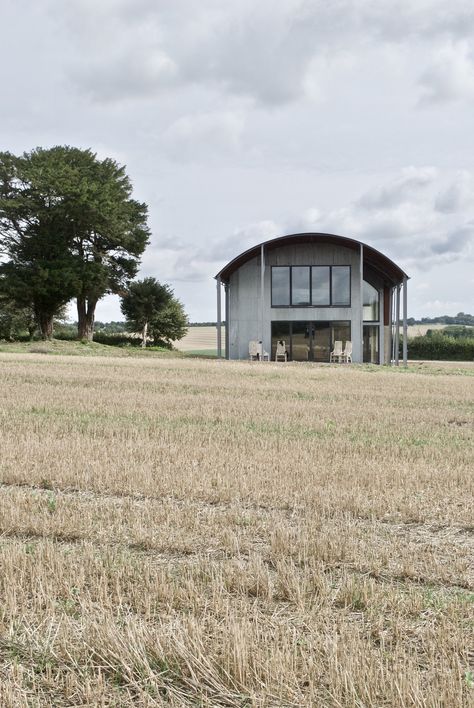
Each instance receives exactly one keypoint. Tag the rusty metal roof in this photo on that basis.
(389, 270)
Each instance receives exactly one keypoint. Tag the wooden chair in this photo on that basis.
(336, 353)
(281, 352)
(346, 355)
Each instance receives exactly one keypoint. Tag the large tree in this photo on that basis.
(40, 272)
(152, 309)
(82, 208)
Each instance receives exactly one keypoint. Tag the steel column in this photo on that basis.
(397, 328)
(227, 331)
(405, 325)
(219, 320)
(361, 295)
(382, 328)
(262, 295)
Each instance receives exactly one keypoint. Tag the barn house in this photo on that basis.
(309, 291)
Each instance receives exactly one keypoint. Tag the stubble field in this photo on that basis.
(179, 532)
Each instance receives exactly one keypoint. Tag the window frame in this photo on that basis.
(319, 265)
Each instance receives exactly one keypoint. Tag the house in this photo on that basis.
(310, 290)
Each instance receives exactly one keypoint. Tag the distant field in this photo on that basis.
(180, 532)
(201, 339)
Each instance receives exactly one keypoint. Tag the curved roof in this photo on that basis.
(372, 258)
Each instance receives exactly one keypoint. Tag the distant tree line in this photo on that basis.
(460, 319)
(70, 229)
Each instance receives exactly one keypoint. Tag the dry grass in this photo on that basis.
(191, 533)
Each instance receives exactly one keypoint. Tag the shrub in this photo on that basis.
(440, 346)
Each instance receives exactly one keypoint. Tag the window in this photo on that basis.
(320, 285)
(311, 340)
(371, 302)
(311, 286)
(280, 286)
(300, 294)
(341, 285)
(371, 344)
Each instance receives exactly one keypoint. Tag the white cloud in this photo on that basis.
(204, 135)
(449, 76)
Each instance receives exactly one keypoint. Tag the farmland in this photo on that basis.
(186, 532)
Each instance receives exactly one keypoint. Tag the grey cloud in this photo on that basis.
(459, 195)
(136, 74)
(400, 190)
(264, 51)
(242, 239)
(456, 241)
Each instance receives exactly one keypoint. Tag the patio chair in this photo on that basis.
(281, 352)
(255, 350)
(336, 353)
(346, 355)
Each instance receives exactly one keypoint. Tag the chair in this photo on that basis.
(255, 350)
(281, 352)
(336, 353)
(346, 355)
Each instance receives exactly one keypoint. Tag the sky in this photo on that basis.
(239, 121)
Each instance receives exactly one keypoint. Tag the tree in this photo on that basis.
(14, 320)
(40, 273)
(152, 309)
(80, 209)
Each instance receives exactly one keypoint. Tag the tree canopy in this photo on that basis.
(69, 228)
(151, 308)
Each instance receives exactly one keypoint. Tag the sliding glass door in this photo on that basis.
(310, 341)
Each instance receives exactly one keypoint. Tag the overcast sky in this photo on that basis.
(241, 120)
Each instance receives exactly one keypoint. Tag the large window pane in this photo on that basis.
(341, 285)
(371, 344)
(280, 286)
(300, 341)
(340, 332)
(321, 332)
(371, 302)
(300, 285)
(320, 285)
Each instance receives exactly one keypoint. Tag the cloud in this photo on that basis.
(400, 190)
(401, 218)
(271, 53)
(456, 242)
(449, 76)
(458, 195)
(243, 238)
(204, 135)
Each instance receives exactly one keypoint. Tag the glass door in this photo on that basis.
(320, 341)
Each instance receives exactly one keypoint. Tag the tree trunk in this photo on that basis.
(144, 334)
(45, 323)
(85, 318)
(31, 330)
